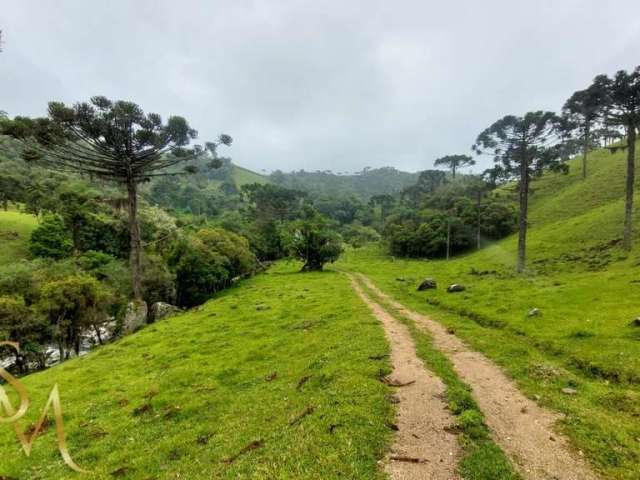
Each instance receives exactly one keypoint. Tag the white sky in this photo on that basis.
(318, 84)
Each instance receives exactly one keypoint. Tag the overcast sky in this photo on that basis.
(312, 85)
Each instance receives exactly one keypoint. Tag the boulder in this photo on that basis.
(534, 312)
(569, 391)
(160, 310)
(456, 287)
(135, 316)
(427, 284)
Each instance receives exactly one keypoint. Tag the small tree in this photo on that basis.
(18, 323)
(114, 141)
(71, 305)
(585, 108)
(312, 241)
(522, 146)
(622, 100)
(454, 162)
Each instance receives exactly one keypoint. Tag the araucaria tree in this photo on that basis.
(454, 162)
(115, 141)
(522, 147)
(622, 98)
(585, 109)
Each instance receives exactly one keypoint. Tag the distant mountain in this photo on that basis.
(364, 184)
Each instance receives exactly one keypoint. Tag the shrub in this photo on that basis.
(51, 239)
(207, 262)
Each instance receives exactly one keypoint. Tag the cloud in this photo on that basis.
(317, 85)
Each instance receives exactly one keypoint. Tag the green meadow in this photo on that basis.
(278, 377)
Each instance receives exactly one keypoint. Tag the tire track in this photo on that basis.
(524, 430)
(423, 447)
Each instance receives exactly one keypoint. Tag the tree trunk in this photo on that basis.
(628, 205)
(134, 237)
(585, 150)
(522, 222)
(453, 171)
(97, 330)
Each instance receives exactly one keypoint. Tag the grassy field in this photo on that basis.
(586, 289)
(15, 230)
(276, 360)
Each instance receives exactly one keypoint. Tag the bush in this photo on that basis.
(207, 262)
(51, 239)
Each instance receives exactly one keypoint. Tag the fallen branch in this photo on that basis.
(252, 446)
(394, 383)
(307, 411)
(406, 459)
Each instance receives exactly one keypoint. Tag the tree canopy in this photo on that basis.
(522, 147)
(454, 162)
(115, 141)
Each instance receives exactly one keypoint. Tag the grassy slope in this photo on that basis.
(179, 397)
(243, 176)
(587, 291)
(14, 223)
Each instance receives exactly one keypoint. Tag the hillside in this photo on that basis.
(15, 230)
(243, 176)
(272, 361)
(586, 289)
(365, 184)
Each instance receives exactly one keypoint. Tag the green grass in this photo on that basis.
(15, 231)
(587, 290)
(244, 176)
(482, 458)
(179, 397)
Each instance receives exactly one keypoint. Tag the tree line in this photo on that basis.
(605, 113)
